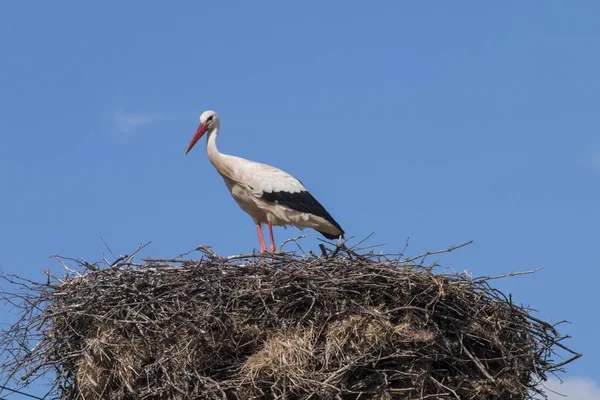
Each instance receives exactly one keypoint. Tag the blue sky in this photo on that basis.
(439, 121)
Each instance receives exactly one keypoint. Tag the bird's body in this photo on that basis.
(269, 195)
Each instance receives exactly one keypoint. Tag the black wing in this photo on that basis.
(303, 202)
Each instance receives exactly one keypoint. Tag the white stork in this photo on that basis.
(270, 195)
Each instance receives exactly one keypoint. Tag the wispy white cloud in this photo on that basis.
(128, 122)
(574, 388)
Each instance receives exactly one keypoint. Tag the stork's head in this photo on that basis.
(209, 120)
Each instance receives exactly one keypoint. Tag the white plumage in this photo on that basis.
(270, 195)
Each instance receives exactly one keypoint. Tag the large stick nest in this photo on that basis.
(347, 326)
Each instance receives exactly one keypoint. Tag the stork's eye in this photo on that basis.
(209, 118)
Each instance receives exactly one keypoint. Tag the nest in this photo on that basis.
(343, 326)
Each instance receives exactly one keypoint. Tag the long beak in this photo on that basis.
(201, 131)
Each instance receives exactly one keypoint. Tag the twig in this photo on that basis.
(565, 362)
(106, 244)
(139, 248)
(207, 250)
(430, 253)
(440, 384)
(295, 240)
(477, 362)
(362, 241)
(31, 396)
(510, 274)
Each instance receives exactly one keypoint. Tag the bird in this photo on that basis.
(269, 195)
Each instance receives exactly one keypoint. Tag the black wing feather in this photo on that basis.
(303, 202)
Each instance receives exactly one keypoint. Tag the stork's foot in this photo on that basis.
(263, 259)
(261, 239)
(272, 248)
(263, 250)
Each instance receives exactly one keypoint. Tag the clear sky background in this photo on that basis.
(440, 122)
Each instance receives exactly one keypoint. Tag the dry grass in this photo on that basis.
(351, 326)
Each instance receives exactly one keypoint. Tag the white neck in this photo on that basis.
(211, 145)
(217, 159)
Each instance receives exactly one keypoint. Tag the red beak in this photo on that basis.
(201, 131)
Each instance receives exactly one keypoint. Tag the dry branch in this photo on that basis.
(349, 326)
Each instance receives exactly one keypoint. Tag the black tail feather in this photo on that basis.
(306, 203)
(330, 236)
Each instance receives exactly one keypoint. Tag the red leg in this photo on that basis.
(272, 239)
(261, 239)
